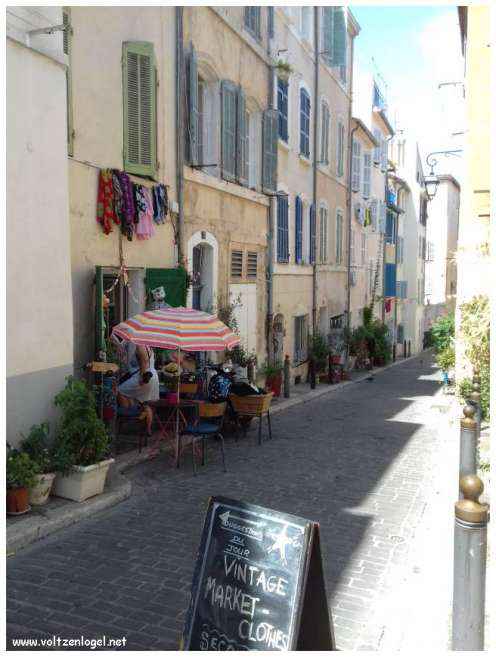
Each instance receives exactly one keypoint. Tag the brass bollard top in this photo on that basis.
(469, 508)
(468, 422)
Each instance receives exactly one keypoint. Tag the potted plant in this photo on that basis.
(446, 361)
(319, 351)
(20, 474)
(81, 446)
(273, 378)
(283, 70)
(36, 445)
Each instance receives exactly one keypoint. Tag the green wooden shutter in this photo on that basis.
(339, 37)
(193, 116)
(174, 282)
(140, 119)
(99, 318)
(228, 140)
(241, 140)
(327, 32)
(66, 18)
(269, 147)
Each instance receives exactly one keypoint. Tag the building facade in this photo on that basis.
(39, 300)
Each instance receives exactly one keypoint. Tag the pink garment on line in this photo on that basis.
(145, 229)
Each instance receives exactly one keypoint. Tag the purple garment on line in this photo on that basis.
(126, 203)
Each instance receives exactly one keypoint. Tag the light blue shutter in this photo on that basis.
(298, 230)
(282, 229)
(327, 32)
(241, 140)
(312, 234)
(193, 117)
(228, 103)
(269, 146)
(339, 37)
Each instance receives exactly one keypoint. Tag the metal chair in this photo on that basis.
(136, 430)
(206, 425)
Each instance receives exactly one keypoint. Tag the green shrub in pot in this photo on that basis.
(21, 473)
(37, 445)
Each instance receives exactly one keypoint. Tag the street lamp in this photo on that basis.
(432, 181)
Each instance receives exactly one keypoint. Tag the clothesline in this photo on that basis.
(141, 181)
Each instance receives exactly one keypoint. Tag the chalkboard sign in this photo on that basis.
(258, 583)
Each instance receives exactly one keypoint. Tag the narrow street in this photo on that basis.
(356, 461)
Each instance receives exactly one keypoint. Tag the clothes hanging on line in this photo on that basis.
(160, 203)
(144, 203)
(124, 202)
(105, 212)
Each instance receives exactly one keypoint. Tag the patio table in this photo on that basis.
(167, 413)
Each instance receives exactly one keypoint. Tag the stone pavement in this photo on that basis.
(359, 461)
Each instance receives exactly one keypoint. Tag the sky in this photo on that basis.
(413, 49)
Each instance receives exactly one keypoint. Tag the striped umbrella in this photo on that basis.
(177, 328)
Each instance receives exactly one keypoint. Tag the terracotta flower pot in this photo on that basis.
(274, 383)
(17, 500)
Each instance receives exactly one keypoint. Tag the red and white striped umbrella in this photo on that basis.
(177, 328)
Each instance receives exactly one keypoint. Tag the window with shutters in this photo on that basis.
(324, 225)
(390, 280)
(298, 231)
(251, 264)
(242, 139)
(367, 164)
(252, 21)
(282, 229)
(301, 339)
(229, 135)
(334, 37)
(356, 165)
(373, 214)
(269, 150)
(324, 133)
(401, 333)
(236, 264)
(304, 123)
(66, 17)
(282, 108)
(382, 216)
(339, 237)
(140, 119)
(363, 248)
(313, 235)
(340, 150)
(377, 149)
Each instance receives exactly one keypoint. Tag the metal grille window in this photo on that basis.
(340, 150)
(282, 229)
(304, 123)
(355, 165)
(251, 265)
(367, 163)
(323, 234)
(252, 20)
(339, 237)
(236, 264)
(324, 136)
(301, 339)
(282, 108)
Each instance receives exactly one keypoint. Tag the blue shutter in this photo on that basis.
(193, 116)
(241, 140)
(282, 107)
(228, 141)
(269, 147)
(282, 229)
(304, 123)
(312, 235)
(298, 230)
(390, 280)
(270, 22)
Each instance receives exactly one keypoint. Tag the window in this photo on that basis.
(355, 165)
(236, 264)
(304, 123)
(298, 231)
(363, 248)
(228, 133)
(270, 22)
(377, 149)
(66, 17)
(382, 217)
(282, 229)
(373, 214)
(269, 151)
(313, 235)
(390, 227)
(367, 164)
(390, 280)
(301, 339)
(323, 233)
(339, 237)
(140, 116)
(251, 265)
(252, 20)
(324, 135)
(340, 149)
(306, 23)
(401, 334)
(282, 108)
(334, 36)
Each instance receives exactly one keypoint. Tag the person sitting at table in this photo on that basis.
(139, 385)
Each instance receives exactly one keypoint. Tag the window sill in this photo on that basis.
(283, 144)
(305, 159)
(201, 178)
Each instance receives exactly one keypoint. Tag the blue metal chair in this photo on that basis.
(207, 425)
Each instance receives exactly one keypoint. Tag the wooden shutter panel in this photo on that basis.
(327, 31)
(193, 116)
(298, 230)
(140, 120)
(228, 140)
(312, 234)
(174, 282)
(269, 146)
(339, 37)
(241, 140)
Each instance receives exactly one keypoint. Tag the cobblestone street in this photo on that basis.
(355, 460)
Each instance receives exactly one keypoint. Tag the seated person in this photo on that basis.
(132, 408)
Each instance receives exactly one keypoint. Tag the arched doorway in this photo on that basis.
(203, 268)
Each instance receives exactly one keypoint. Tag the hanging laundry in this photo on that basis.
(139, 202)
(387, 305)
(105, 212)
(160, 203)
(368, 217)
(124, 202)
(144, 206)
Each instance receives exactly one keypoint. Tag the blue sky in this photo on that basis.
(414, 48)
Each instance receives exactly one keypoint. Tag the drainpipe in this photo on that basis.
(315, 146)
(270, 234)
(180, 134)
(348, 203)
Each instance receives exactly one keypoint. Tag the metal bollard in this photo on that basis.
(404, 348)
(469, 569)
(311, 366)
(474, 400)
(329, 369)
(394, 352)
(468, 442)
(286, 376)
(409, 348)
